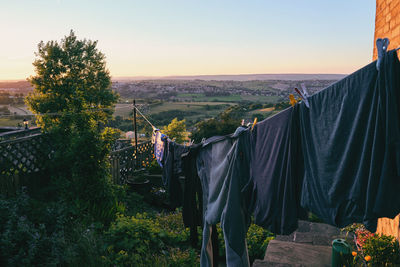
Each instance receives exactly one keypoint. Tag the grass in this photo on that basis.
(122, 110)
(7, 122)
(261, 98)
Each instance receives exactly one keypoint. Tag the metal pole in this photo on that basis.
(134, 125)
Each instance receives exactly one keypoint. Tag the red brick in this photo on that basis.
(396, 33)
(387, 22)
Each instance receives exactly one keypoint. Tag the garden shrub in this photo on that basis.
(383, 250)
(257, 239)
(134, 203)
(371, 249)
(145, 241)
(34, 233)
(154, 167)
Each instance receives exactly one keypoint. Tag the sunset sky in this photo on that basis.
(160, 38)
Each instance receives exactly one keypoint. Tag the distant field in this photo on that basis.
(186, 106)
(191, 111)
(7, 122)
(230, 98)
(124, 110)
(261, 98)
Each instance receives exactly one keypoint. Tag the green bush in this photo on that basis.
(257, 239)
(371, 249)
(154, 167)
(145, 241)
(384, 250)
(35, 233)
(134, 204)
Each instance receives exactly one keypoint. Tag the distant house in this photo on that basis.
(130, 135)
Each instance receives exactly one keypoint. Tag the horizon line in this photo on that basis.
(147, 77)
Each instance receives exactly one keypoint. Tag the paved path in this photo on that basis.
(18, 111)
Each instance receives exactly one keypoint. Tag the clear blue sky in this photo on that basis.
(157, 38)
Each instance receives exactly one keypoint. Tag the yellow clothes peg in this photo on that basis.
(254, 123)
(293, 100)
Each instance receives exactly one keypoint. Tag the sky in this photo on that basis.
(187, 37)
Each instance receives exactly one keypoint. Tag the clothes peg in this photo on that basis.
(292, 100)
(254, 123)
(304, 94)
(381, 47)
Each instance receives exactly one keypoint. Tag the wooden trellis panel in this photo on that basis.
(20, 157)
(125, 161)
(23, 155)
(25, 152)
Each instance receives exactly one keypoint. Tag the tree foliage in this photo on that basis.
(176, 129)
(225, 123)
(72, 91)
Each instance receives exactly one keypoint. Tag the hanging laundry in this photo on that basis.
(172, 169)
(351, 147)
(221, 183)
(276, 171)
(192, 209)
(158, 139)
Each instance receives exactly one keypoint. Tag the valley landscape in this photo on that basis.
(193, 98)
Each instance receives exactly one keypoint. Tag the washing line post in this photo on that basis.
(134, 125)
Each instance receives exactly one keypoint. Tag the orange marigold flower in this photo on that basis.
(354, 253)
(367, 258)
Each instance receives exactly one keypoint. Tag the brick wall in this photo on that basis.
(387, 23)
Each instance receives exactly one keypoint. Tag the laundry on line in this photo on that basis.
(338, 158)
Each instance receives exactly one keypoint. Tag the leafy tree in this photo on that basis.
(72, 91)
(225, 123)
(176, 129)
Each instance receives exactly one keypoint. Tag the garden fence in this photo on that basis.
(23, 154)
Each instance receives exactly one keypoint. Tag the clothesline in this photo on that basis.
(333, 159)
(145, 117)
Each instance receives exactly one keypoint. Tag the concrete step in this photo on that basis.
(264, 263)
(312, 233)
(314, 238)
(297, 253)
(324, 229)
(309, 238)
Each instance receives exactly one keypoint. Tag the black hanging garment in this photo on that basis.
(351, 147)
(192, 210)
(276, 170)
(172, 169)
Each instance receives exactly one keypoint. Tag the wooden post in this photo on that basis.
(134, 125)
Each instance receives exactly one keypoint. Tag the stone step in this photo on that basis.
(297, 253)
(309, 238)
(312, 233)
(314, 238)
(324, 229)
(264, 263)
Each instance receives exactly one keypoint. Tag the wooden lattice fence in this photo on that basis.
(23, 154)
(124, 161)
